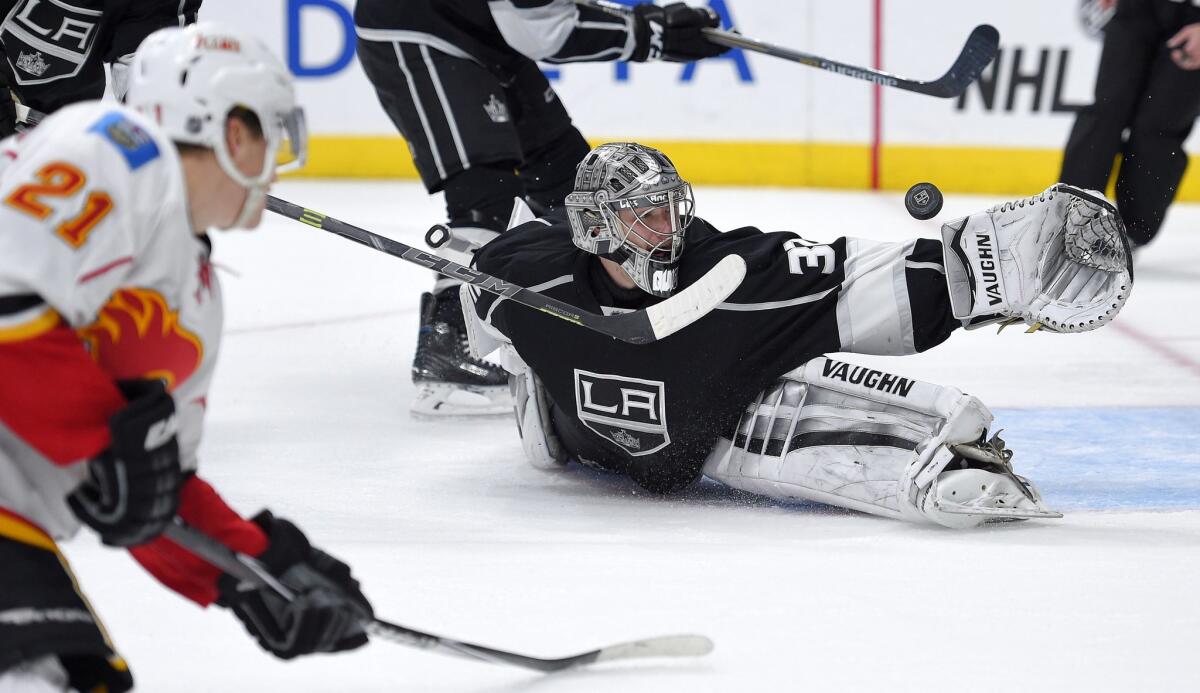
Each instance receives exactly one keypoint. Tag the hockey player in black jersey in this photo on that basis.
(743, 395)
(55, 52)
(458, 79)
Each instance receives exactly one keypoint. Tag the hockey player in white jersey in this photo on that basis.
(110, 322)
(742, 395)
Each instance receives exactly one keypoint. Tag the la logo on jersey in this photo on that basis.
(630, 412)
(46, 40)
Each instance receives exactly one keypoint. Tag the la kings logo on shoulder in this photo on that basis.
(47, 41)
(630, 412)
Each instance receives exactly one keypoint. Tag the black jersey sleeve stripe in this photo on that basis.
(408, 36)
(772, 305)
(486, 314)
(10, 305)
(557, 281)
(935, 266)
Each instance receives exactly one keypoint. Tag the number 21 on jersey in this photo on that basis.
(60, 179)
(806, 254)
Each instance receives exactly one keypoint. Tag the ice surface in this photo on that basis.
(450, 531)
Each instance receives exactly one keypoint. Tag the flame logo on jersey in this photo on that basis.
(137, 335)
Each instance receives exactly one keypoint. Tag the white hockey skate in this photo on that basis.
(985, 485)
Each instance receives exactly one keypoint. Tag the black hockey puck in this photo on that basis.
(923, 201)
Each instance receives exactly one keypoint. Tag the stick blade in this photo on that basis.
(664, 646)
(978, 52)
(699, 299)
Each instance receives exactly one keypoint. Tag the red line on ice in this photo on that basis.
(1158, 346)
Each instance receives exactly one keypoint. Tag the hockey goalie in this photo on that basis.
(744, 395)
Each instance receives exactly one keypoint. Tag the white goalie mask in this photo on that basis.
(630, 206)
(189, 79)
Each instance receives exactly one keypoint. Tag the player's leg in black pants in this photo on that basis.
(551, 146)
(1154, 160)
(460, 129)
(1130, 44)
(455, 117)
(51, 638)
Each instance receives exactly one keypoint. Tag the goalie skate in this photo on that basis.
(437, 400)
(450, 380)
(985, 485)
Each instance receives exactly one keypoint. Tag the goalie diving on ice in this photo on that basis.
(744, 393)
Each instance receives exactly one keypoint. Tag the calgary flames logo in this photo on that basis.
(137, 335)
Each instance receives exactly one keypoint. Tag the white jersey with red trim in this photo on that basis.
(95, 237)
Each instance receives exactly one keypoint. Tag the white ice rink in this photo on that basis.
(449, 530)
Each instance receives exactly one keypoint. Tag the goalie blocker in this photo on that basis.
(879, 443)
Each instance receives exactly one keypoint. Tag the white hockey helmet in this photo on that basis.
(619, 187)
(189, 79)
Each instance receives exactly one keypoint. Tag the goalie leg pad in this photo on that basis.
(871, 441)
(542, 446)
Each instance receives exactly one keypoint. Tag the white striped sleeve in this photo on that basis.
(873, 311)
(559, 31)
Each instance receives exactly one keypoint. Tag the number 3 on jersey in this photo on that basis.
(802, 253)
(60, 179)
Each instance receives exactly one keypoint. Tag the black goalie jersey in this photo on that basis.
(654, 411)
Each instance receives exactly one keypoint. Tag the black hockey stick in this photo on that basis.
(638, 327)
(247, 569)
(980, 49)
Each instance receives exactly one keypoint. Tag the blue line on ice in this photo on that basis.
(1108, 458)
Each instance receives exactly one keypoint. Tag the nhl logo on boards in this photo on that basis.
(33, 64)
(496, 109)
(629, 412)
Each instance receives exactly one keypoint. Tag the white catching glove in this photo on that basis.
(1059, 260)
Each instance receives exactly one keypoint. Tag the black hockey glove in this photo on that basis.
(672, 32)
(132, 489)
(327, 612)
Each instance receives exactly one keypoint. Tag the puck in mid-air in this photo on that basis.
(923, 201)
